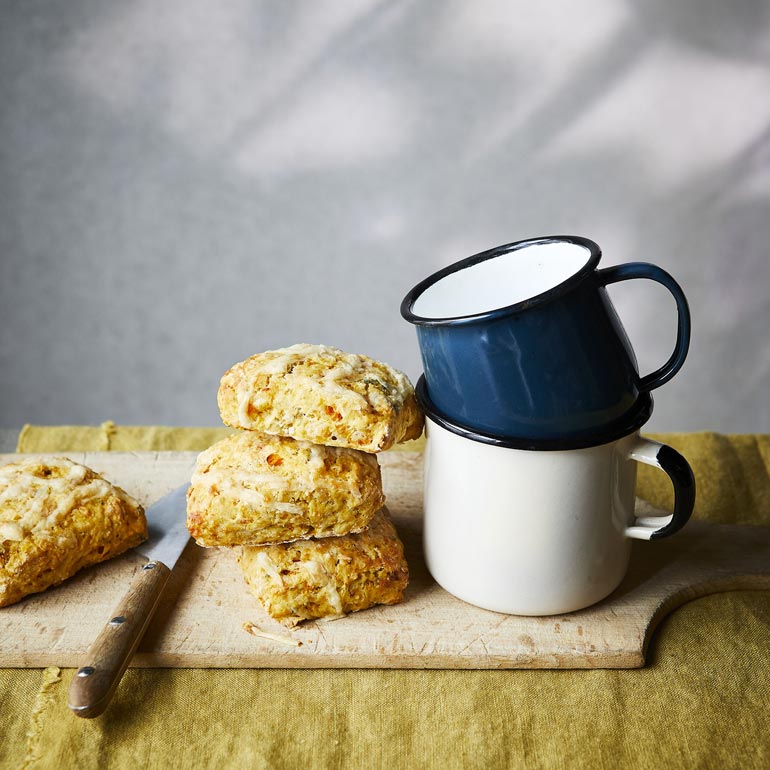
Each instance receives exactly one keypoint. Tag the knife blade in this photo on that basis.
(108, 657)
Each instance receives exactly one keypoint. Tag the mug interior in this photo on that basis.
(502, 280)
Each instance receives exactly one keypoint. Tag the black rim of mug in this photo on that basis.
(546, 296)
(625, 425)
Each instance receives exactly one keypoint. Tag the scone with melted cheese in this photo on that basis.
(252, 488)
(56, 517)
(323, 395)
(330, 577)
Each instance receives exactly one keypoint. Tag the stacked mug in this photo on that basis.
(533, 406)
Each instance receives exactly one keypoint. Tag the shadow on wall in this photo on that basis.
(186, 185)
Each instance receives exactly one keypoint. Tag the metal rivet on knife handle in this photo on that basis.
(108, 657)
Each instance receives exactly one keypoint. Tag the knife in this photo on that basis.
(108, 657)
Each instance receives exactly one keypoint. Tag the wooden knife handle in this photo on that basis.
(108, 657)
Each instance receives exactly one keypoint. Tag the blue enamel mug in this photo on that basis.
(523, 340)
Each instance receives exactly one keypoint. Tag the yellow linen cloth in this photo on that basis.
(109, 437)
(701, 701)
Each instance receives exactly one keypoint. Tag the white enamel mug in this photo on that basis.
(538, 532)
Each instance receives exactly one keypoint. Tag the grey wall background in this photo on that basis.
(187, 183)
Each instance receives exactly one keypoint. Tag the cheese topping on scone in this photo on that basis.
(56, 517)
(330, 577)
(34, 494)
(322, 395)
(253, 488)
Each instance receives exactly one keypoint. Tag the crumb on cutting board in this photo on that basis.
(250, 628)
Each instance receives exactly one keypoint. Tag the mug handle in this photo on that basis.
(662, 456)
(645, 270)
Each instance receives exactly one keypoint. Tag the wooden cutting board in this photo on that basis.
(200, 622)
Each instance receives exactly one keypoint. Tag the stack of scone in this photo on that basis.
(298, 488)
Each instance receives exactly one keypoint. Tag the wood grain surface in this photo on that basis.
(205, 611)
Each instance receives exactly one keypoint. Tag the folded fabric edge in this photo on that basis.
(133, 438)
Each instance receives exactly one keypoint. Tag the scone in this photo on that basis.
(323, 395)
(252, 488)
(56, 517)
(321, 578)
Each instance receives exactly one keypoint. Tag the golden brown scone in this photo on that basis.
(56, 517)
(331, 577)
(252, 488)
(321, 394)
